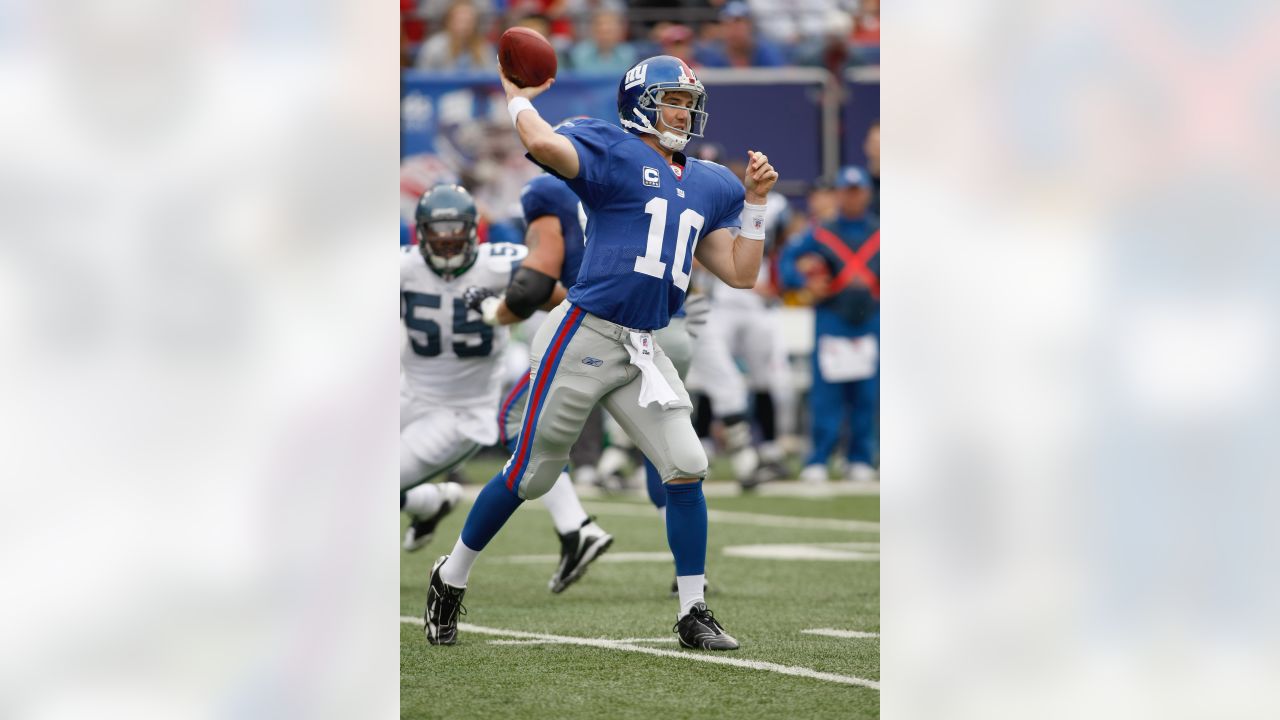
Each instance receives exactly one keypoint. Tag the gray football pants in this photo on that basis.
(577, 361)
(674, 340)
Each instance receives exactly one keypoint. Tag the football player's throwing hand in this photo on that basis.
(514, 91)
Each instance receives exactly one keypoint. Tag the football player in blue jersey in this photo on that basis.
(650, 212)
(556, 238)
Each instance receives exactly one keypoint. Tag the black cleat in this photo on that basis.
(700, 630)
(421, 529)
(767, 472)
(578, 550)
(444, 603)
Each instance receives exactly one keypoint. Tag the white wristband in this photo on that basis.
(752, 221)
(518, 105)
(489, 307)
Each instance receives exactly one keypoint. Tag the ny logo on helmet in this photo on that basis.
(635, 76)
(686, 75)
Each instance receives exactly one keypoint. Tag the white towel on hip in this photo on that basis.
(653, 386)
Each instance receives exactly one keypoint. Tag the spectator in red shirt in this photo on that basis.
(559, 24)
(677, 40)
(866, 24)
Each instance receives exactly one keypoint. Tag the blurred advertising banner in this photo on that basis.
(859, 109)
(449, 123)
(435, 103)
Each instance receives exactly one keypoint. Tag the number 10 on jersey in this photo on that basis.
(651, 263)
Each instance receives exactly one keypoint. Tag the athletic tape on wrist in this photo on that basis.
(489, 310)
(752, 221)
(517, 105)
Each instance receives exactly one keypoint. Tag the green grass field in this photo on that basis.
(504, 666)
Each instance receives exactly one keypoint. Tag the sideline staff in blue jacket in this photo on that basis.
(838, 262)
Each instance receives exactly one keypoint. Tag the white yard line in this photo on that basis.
(729, 489)
(523, 642)
(802, 551)
(841, 552)
(794, 489)
(789, 521)
(617, 557)
(831, 632)
(691, 656)
(557, 642)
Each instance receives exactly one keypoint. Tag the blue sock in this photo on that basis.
(493, 506)
(653, 483)
(687, 527)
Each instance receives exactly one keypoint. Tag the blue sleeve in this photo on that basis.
(797, 246)
(594, 141)
(505, 232)
(731, 206)
(406, 235)
(539, 198)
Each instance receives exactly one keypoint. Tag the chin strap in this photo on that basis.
(672, 141)
(668, 140)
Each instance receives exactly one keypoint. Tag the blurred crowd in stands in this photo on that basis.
(608, 36)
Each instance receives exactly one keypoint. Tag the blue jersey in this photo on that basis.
(548, 195)
(643, 223)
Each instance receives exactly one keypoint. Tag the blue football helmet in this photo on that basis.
(640, 98)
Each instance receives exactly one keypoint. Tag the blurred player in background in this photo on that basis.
(743, 325)
(650, 210)
(838, 264)
(451, 382)
(450, 372)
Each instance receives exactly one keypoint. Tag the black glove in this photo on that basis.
(473, 296)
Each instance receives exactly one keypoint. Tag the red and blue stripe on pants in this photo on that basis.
(517, 392)
(541, 384)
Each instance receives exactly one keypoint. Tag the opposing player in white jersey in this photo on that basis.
(450, 364)
(744, 326)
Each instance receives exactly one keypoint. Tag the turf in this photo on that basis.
(764, 603)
